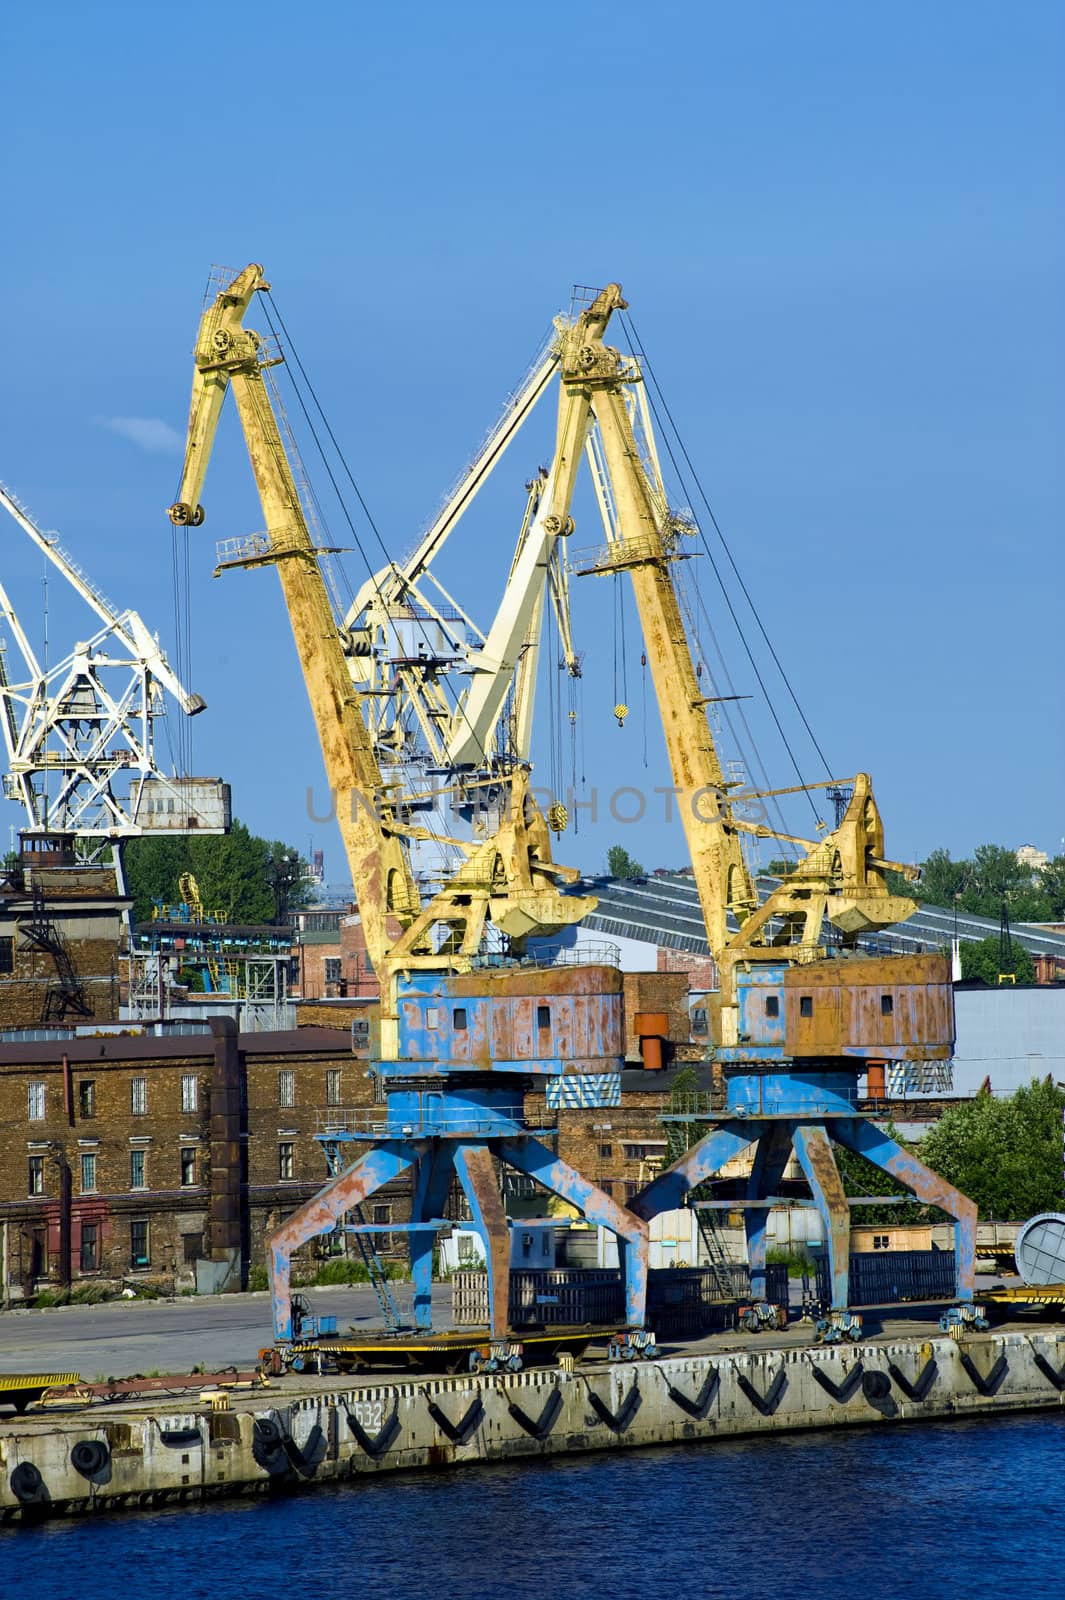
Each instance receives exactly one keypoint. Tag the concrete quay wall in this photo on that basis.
(102, 1460)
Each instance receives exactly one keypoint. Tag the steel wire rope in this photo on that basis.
(646, 366)
(420, 621)
(665, 435)
(435, 833)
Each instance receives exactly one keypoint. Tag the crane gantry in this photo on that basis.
(459, 1044)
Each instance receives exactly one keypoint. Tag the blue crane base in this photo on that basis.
(435, 1161)
(806, 1111)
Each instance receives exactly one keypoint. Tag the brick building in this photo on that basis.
(166, 1156)
(61, 930)
(331, 957)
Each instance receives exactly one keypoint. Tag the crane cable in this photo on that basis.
(646, 366)
(272, 303)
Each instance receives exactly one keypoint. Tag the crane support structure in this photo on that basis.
(795, 1028)
(460, 1044)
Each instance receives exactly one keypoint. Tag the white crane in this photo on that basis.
(78, 733)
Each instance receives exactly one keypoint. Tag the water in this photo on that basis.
(920, 1512)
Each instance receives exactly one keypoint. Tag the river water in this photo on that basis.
(921, 1512)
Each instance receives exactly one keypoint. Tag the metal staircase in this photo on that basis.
(716, 1253)
(379, 1282)
(67, 994)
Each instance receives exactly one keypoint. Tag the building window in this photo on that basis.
(90, 1247)
(543, 1016)
(86, 1098)
(459, 1019)
(7, 955)
(806, 1005)
(382, 1215)
(35, 1110)
(139, 1255)
(887, 1005)
(607, 1186)
(286, 1088)
(881, 1241)
(772, 1005)
(189, 1091)
(654, 1150)
(284, 1160)
(88, 1171)
(136, 1170)
(138, 1088)
(35, 1182)
(332, 1086)
(332, 969)
(606, 1151)
(188, 1167)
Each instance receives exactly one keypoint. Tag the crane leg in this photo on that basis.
(872, 1142)
(477, 1175)
(770, 1159)
(434, 1172)
(668, 1190)
(320, 1213)
(814, 1150)
(537, 1161)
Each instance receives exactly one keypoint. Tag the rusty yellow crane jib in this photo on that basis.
(230, 356)
(842, 877)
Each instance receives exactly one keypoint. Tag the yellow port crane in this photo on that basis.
(796, 1027)
(509, 879)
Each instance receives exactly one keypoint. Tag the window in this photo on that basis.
(650, 1150)
(284, 1160)
(86, 1098)
(607, 1186)
(7, 955)
(138, 1088)
(460, 1019)
(332, 969)
(606, 1151)
(286, 1088)
(543, 1016)
(35, 1109)
(189, 1091)
(139, 1254)
(88, 1171)
(192, 1248)
(881, 1241)
(772, 1005)
(136, 1170)
(806, 1005)
(332, 1086)
(35, 1181)
(90, 1247)
(382, 1215)
(188, 1167)
(887, 1005)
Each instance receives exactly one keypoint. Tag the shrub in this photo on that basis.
(257, 1278)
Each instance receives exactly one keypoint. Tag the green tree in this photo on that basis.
(234, 872)
(980, 958)
(1052, 885)
(1005, 1154)
(860, 1177)
(942, 879)
(621, 865)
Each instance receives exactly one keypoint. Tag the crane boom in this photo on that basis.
(843, 875)
(510, 879)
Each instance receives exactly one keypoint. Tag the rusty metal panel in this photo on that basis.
(895, 1007)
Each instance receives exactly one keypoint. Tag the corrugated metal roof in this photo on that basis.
(664, 910)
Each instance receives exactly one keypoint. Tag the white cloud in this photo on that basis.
(147, 433)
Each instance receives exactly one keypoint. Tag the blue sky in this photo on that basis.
(840, 232)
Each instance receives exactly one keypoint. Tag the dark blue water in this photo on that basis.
(913, 1513)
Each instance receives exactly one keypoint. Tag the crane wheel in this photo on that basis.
(182, 515)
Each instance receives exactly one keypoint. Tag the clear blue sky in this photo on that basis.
(840, 231)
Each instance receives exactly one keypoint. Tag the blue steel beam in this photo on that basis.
(321, 1213)
(477, 1175)
(668, 1190)
(814, 1150)
(873, 1143)
(770, 1158)
(537, 1161)
(433, 1174)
